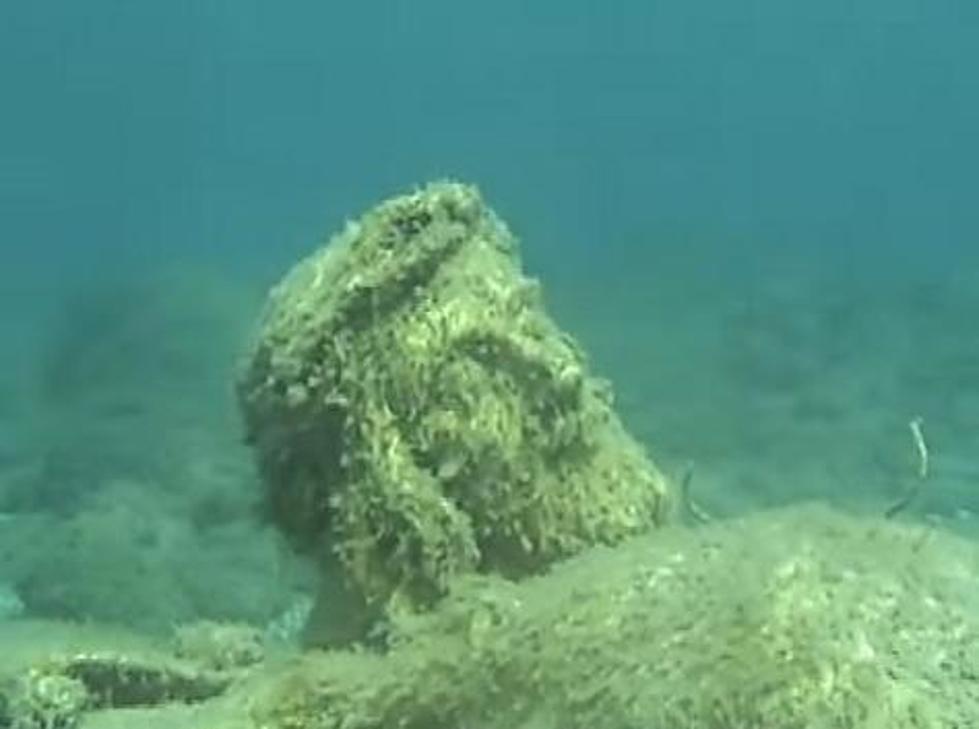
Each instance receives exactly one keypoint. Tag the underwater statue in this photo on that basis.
(417, 415)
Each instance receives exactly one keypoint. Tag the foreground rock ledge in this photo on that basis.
(797, 619)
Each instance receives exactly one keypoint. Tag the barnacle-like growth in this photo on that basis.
(415, 410)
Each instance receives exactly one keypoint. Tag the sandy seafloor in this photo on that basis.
(127, 502)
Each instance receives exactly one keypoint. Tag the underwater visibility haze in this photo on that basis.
(517, 364)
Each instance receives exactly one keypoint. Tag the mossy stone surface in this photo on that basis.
(795, 619)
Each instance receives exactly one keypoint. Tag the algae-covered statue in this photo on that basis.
(416, 412)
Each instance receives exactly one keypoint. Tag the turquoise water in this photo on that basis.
(757, 218)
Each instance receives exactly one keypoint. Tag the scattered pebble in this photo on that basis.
(11, 606)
